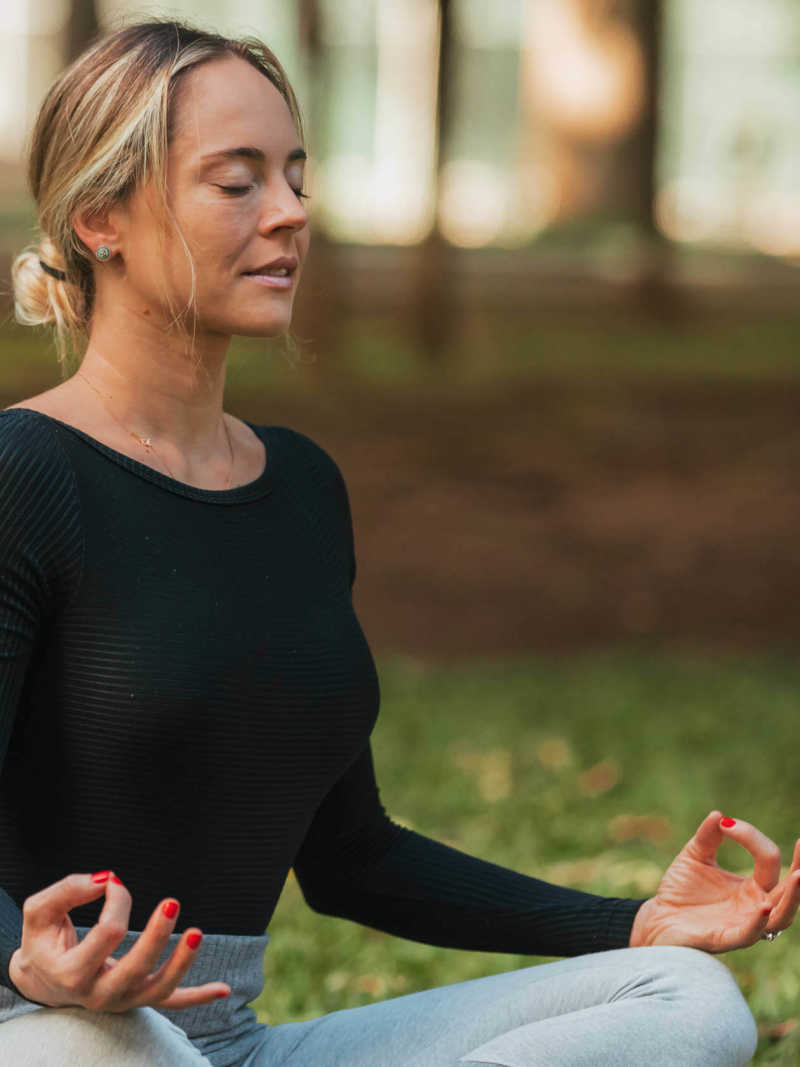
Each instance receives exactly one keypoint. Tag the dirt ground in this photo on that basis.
(551, 517)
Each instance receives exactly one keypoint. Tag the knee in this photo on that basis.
(66, 1036)
(712, 1006)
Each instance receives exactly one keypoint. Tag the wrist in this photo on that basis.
(15, 971)
(640, 929)
(14, 967)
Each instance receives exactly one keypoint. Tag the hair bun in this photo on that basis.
(33, 305)
(52, 271)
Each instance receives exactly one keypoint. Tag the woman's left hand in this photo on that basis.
(700, 905)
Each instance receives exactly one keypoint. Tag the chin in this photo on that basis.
(271, 329)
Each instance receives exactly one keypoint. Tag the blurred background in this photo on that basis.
(548, 329)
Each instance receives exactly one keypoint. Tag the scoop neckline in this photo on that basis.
(260, 486)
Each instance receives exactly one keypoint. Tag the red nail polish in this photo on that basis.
(223, 993)
(100, 876)
(727, 822)
(115, 879)
(170, 909)
(193, 940)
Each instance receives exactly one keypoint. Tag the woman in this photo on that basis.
(186, 695)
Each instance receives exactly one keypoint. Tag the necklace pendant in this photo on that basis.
(146, 442)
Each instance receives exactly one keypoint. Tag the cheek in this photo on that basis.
(208, 223)
(213, 231)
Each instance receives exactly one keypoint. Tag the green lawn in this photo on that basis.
(589, 771)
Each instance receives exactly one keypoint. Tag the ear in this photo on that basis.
(98, 228)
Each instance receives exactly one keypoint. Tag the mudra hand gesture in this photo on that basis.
(700, 905)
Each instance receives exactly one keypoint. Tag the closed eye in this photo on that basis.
(238, 190)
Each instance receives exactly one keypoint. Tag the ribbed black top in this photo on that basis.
(187, 696)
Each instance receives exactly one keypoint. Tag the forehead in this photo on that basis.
(228, 102)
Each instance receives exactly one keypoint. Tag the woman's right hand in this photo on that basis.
(54, 969)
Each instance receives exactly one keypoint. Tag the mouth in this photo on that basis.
(283, 267)
(278, 274)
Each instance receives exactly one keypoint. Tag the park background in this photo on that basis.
(548, 330)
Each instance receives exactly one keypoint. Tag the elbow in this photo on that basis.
(318, 891)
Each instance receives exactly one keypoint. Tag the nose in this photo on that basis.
(282, 207)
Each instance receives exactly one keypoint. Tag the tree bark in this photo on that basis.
(435, 306)
(638, 161)
(83, 26)
(320, 309)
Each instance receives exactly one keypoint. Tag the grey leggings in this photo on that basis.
(663, 1007)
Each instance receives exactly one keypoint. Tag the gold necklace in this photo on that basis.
(146, 442)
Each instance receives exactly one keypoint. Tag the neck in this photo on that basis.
(166, 400)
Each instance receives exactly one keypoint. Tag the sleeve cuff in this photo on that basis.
(620, 922)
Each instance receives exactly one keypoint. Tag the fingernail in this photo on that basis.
(766, 910)
(115, 879)
(223, 993)
(170, 909)
(100, 876)
(193, 940)
(727, 822)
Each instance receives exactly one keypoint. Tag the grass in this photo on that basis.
(589, 771)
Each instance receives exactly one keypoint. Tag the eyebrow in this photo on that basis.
(251, 152)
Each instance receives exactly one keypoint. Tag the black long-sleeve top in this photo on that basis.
(187, 697)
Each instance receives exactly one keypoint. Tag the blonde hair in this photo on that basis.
(103, 131)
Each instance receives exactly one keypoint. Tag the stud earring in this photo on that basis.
(103, 252)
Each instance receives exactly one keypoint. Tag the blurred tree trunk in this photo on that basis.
(320, 309)
(82, 28)
(435, 308)
(639, 151)
(637, 162)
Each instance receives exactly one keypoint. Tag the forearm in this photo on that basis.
(426, 891)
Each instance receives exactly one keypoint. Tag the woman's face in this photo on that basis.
(236, 212)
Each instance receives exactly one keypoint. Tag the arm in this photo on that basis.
(40, 554)
(358, 864)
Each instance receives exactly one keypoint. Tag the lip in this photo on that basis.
(290, 262)
(271, 281)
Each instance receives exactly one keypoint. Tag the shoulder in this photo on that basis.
(303, 449)
(28, 441)
(41, 536)
(37, 481)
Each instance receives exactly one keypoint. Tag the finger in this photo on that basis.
(708, 837)
(141, 959)
(188, 996)
(796, 857)
(784, 911)
(766, 854)
(89, 955)
(753, 927)
(49, 906)
(160, 988)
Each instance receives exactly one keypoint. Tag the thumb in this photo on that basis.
(51, 904)
(707, 838)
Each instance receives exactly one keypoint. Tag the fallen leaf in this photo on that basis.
(554, 753)
(494, 777)
(600, 778)
(654, 828)
(374, 984)
(777, 1031)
